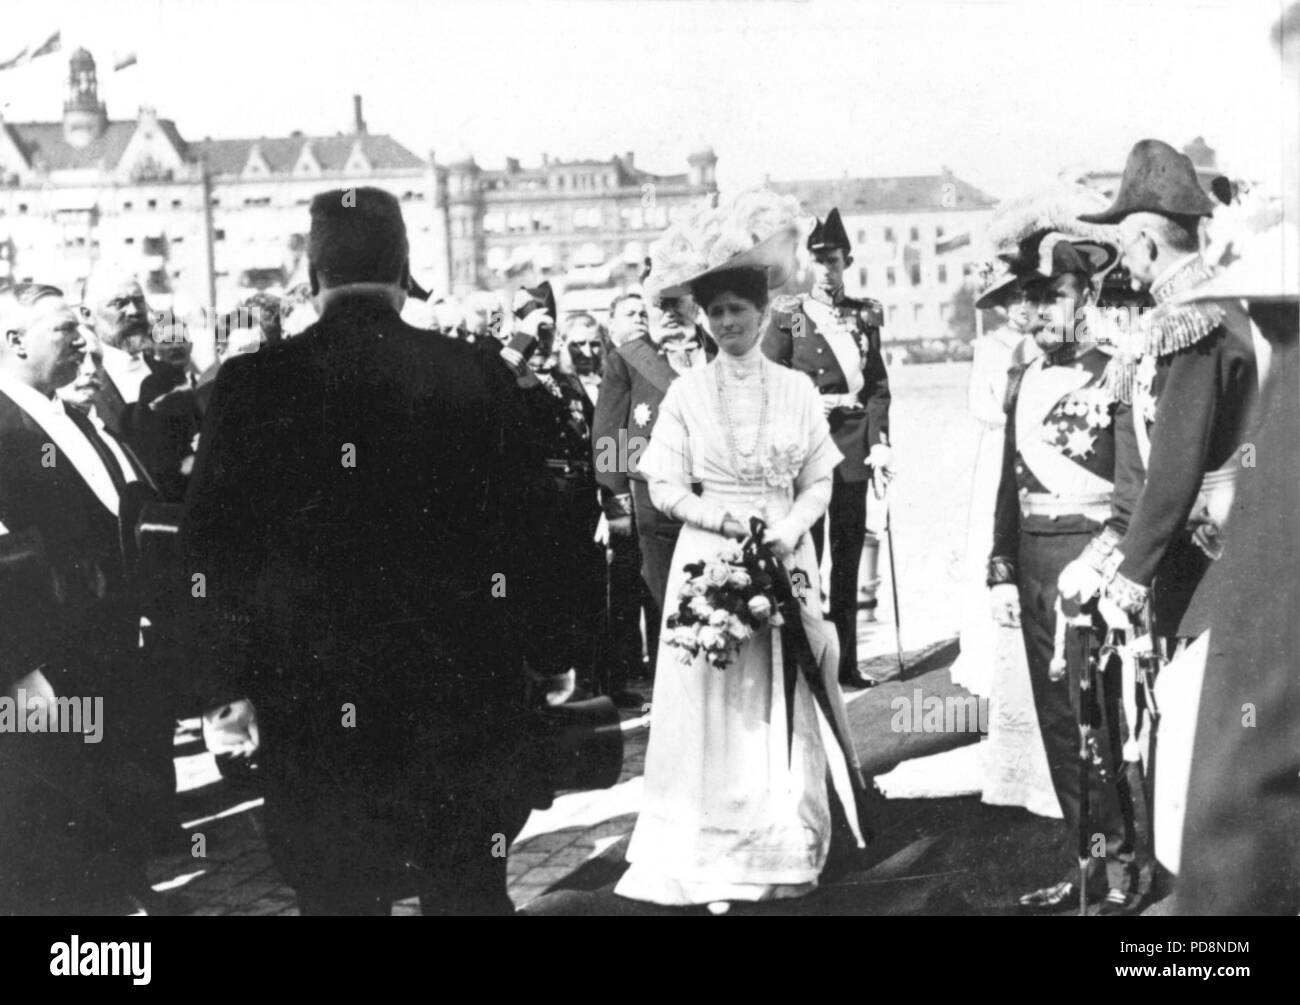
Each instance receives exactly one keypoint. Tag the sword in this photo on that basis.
(1075, 649)
(893, 582)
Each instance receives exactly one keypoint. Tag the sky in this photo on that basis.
(1005, 93)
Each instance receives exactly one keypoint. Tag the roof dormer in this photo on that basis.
(308, 164)
(358, 162)
(257, 165)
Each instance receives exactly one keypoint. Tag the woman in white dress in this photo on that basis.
(734, 809)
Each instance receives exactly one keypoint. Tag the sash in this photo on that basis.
(839, 337)
(643, 362)
(1040, 391)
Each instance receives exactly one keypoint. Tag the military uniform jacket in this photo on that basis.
(839, 348)
(1190, 405)
(636, 378)
(1065, 436)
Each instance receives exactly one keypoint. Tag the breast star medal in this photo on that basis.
(641, 414)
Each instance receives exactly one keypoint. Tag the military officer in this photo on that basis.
(637, 376)
(1191, 394)
(1066, 431)
(835, 339)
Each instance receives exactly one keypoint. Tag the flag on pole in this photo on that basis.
(122, 60)
(19, 60)
(51, 44)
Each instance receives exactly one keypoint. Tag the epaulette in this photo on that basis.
(1170, 328)
(786, 304)
(872, 312)
(1117, 379)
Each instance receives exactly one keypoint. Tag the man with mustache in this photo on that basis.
(71, 620)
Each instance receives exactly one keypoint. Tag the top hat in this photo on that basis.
(830, 234)
(1157, 179)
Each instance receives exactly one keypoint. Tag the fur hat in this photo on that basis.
(357, 236)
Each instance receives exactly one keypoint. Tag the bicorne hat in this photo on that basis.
(538, 298)
(1157, 179)
(829, 234)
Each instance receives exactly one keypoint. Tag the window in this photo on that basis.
(943, 273)
(890, 276)
(632, 218)
(129, 240)
(127, 205)
(176, 204)
(220, 235)
(22, 207)
(915, 234)
(862, 277)
(862, 237)
(893, 313)
(178, 240)
(216, 201)
(938, 231)
(889, 234)
(153, 203)
(914, 273)
(917, 311)
(945, 312)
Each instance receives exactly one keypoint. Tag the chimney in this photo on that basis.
(629, 159)
(359, 124)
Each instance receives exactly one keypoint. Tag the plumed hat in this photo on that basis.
(1039, 236)
(757, 230)
(1157, 179)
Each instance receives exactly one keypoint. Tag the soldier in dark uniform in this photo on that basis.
(835, 339)
(637, 376)
(1065, 434)
(1191, 394)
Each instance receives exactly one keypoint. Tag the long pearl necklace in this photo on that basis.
(745, 469)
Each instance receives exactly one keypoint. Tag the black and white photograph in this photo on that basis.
(616, 458)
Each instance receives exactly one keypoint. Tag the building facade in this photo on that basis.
(87, 190)
(916, 241)
(561, 217)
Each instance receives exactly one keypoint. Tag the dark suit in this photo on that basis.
(636, 378)
(1241, 834)
(794, 338)
(70, 609)
(375, 523)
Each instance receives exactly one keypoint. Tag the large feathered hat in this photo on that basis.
(756, 230)
(1039, 236)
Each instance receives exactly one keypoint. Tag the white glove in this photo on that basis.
(1079, 582)
(784, 537)
(601, 537)
(881, 457)
(231, 729)
(1004, 602)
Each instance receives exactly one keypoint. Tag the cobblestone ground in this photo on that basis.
(935, 443)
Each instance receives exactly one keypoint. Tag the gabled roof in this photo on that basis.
(43, 142)
(228, 157)
(904, 194)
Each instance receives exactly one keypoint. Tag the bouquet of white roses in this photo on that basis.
(724, 602)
